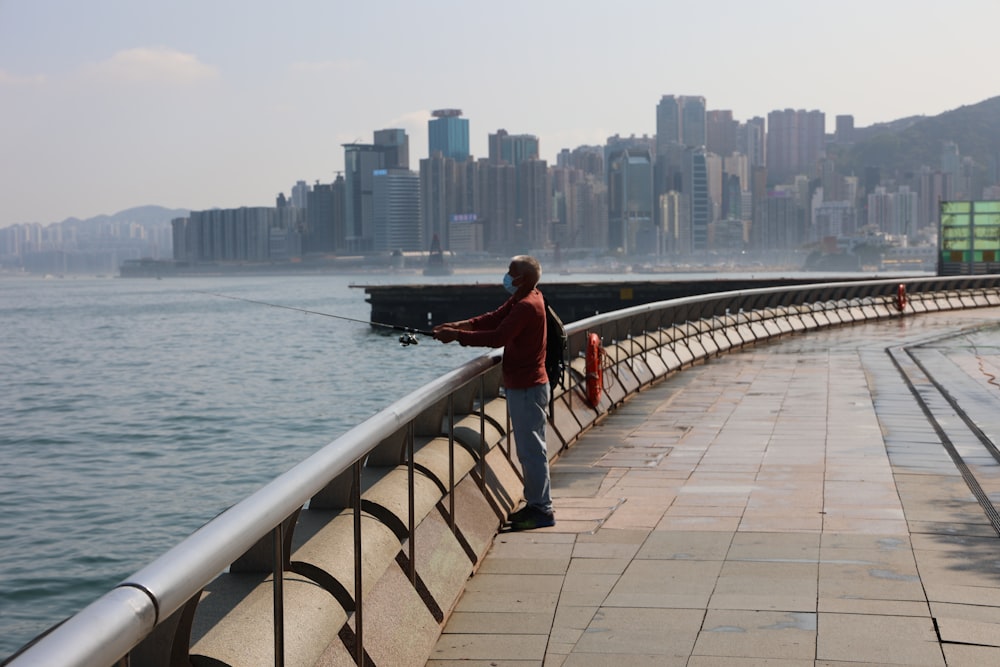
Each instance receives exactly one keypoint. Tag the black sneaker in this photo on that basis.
(531, 519)
(520, 514)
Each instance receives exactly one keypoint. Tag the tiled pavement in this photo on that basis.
(788, 504)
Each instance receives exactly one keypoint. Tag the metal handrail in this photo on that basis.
(105, 631)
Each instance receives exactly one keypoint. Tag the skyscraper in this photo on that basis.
(721, 132)
(796, 140)
(680, 119)
(395, 147)
(512, 148)
(390, 151)
(396, 210)
(447, 190)
(631, 202)
(448, 134)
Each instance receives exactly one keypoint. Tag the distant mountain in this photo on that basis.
(147, 216)
(905, 145)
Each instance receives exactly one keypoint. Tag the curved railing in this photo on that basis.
(294, 575)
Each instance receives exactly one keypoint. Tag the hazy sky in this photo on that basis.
(109, 104)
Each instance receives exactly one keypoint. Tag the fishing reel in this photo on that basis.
(408, 339)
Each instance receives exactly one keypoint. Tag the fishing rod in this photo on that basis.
(407, 338)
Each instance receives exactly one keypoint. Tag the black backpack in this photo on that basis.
(556, 343)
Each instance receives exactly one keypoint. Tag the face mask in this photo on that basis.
(508, 283)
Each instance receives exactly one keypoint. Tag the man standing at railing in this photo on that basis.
(519, 327)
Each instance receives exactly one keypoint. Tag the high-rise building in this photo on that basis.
(534, 205)
(447, 190)
(395, 147)
(325, 217)
(512, 148)
(844, 132)
(497, 204)
(796, 141)
(696, 187)
(448, 133)
(753, 141)
(396, 210)
(631, 202)
(226, 235)
(721, 132)
(299, 193)
(680, 119)
(390, 151)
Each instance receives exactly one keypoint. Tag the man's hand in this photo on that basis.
(445, 333)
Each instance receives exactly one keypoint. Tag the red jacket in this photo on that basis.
(518, 327)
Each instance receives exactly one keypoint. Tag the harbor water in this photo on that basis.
(134, 411)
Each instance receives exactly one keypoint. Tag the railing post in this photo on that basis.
(412, 518)
(278, 586)
(359, 626)
(482, 432)
(451, 462)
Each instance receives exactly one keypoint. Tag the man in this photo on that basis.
(519, 327)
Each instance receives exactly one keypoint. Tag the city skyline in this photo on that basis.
(119, 104)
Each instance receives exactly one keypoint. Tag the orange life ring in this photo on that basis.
(901, 298)
(595, 375)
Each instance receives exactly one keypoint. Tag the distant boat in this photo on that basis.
(436, 266)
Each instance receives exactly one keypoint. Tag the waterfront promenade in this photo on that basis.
(796, 502)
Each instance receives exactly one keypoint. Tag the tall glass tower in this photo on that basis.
(449, 134)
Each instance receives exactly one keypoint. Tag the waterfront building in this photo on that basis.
(894, 213)
(696, 185)
(497, 188)
(389, 151)
(448, 133)
(396, 210)
(324, 217)
(630, 202)
(753, 141)
(224, 235)
(721, 132)
(512, 148)
(832, 219)
(448, 188)
(680, 119)
(300, 193)
(796, 141)
(844, 132)
(534, 206)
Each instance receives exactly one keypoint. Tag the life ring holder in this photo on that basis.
(901, 297)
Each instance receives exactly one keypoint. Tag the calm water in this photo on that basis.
(133, 411)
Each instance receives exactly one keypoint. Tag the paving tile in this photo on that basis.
(766, 586)
(598, 565)
(732, 661)
(586, 589)
(628, 631)
(869, 581)
(883, 640)
(665, 584)
(483, 582)
(578, 659)
(686, 545)
(490, 647)
(839, 605)
(758, 634)
(958, 655)
(501, 623)
(776, 546)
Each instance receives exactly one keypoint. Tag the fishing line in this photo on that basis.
(408, 339)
